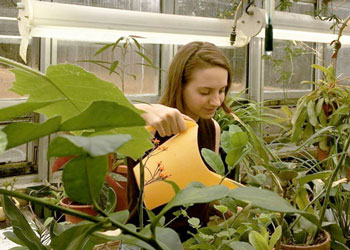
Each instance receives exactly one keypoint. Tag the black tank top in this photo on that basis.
(206, 139)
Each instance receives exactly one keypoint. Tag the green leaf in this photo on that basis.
(258, 241)
(113, 116)
(29, 131)
(111, 201)
(214, 161)
(3, 142)
(238, 245)
(262, 198)
(78, 87)
(194, 222)
(302, 199)
(12, 237)
(67, 145)
(308, 131)
(20, 225)
(105, 47)
(113, 66)
(120, 216)
(23, 109)
(233, 156)
(145, 57)
(239, 139)
(196, 192)
(288, 174)
(268, 200)
(310, 177)
(221, 208)
(311, 113)
(83, 178)
(319, 106)
(75, 237)
(138, 145)
(300, 107)
(168, 238)
(275, 236)
(320, 67)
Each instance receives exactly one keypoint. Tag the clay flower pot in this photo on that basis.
(119, 187)
(325, 245)
(68, 203)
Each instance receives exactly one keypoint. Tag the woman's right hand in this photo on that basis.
(167, 121)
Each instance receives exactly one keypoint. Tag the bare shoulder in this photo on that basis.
(217, 135)
(217, 126)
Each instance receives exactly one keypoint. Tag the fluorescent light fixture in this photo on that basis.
(94, 24)
(292, 26)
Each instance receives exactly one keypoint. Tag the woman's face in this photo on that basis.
(205, 92)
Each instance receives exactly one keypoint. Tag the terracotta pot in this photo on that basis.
(88, 209)
(326, 245)
(120, 187)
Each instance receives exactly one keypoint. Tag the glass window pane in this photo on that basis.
(9, 47)
(203, 8)
(237, 58)
(138, 79)
(295, 7)
(289, 64)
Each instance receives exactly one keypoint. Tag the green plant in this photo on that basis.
(103, 122)
(125, 45)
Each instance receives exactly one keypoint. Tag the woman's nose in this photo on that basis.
(215, 100)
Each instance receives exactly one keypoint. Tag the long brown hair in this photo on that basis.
(191, 57)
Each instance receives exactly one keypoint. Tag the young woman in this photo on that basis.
(199, 78)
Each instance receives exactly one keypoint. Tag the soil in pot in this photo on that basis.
(88, 209)
(323, 242)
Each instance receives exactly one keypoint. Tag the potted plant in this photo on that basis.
(70, 97)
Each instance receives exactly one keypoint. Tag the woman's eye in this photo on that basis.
(204, 93)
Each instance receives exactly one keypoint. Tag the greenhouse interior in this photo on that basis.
(194, 124)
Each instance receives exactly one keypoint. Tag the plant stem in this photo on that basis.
(50, 205)
(331, 180)
(337, 43)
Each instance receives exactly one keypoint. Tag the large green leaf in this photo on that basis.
(214, 161)
(196, 192)
(262, 198)
(23, 109)
(20, 225)
(268, 200)
(239, 139)
(168, 238)
(258, 241)
(83, 178)
(79, 87)
(103, 115)
(138, 145)
(238, 245)
(310, 177)
(66, 145)
(3, 142)
(22, 132)
(75, 237)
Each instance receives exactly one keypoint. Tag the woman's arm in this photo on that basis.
(167, 121)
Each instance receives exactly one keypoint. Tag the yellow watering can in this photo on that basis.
(178, 160)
